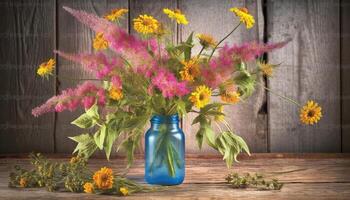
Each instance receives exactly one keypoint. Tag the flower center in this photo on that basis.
(311, 113)
(245, 10)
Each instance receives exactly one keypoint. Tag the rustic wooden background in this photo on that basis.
(316, 65)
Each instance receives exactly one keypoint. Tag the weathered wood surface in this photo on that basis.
(304, 177)
(245, 118)
(27, 37)
(345, 74)
(310, 70)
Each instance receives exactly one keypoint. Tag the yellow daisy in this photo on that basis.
(244, 16)
(190, 70)
(230, 96)
(46, 68)
(115, 93)
(266, 68)
(176, 15)
(115, 14)
(146, 24)
(100, 43)
(23, 182)
(103, 178)
(310, 113)
(88, 187)
(124, 191)
(201, 96)
(206, 40)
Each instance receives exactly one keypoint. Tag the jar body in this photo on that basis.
(165, 151)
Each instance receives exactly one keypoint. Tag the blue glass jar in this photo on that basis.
(165, 151)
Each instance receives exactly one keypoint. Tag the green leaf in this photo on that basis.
(109, 140)
(93, 112)
(188, 48)
(99, 137)
(84, 121)
(209, 135)
(199, 137)
(86, 145)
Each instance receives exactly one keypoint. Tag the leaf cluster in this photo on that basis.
(253, 181)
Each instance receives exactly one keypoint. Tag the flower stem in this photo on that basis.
(281, 96)
(200, 52)
(216, 46)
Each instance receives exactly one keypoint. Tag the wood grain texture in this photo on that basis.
(303, 178)
(245, 118)
(27, 37)
(74, 37)
(310, 70)
(345, 74)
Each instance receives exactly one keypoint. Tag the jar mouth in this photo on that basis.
(165, 119)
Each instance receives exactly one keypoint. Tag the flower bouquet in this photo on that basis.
(150, 77)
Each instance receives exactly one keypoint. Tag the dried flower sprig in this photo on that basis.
(73, 176)
(253, 181)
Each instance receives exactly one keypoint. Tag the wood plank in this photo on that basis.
(74, 37)
(27, 38)
(247, 119)
(345, 74)
(304, 178)
(310, 70)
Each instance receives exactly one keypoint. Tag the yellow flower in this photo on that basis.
(206, 40)
(220, 117)
(115, 14)
(74, 159)
(176, 15)
(100, 42)
(46, 68)
(266, 68)
(230, 96)
(244, 16)
(146, 24)
(190, 70)
(23, 182)
(88, 187)
(201, 96)
(310, 113)
(103, 178)
(115, 93)
(160, 30)
(124, 191)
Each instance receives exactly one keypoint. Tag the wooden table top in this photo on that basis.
(305, 176)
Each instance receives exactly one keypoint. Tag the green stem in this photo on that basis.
(281, 96)
(200, 52)
(216, 46)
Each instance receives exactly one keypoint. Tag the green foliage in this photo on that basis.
(253, 181)
(70, 176)
(245, 83)
(230, 145)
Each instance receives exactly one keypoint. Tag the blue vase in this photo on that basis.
(165, 151)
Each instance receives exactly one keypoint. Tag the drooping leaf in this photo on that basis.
(84, 121)
(86, 145)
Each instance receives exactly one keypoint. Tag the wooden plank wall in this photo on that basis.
(311, 67)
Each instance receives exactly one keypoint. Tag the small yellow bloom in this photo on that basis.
(266, 68)
(103, 178)
(74, 159)
(88, 188)
(220, 118)
(146, 24)
(124, 191)
(201, 96)
(100, 43)
(46, 68)
(311, 113)
(244, 16)
(206, 40)
(190, 70)
(230, 96)
(115, 93)
(160, 30)
(23, 182)
(176, 15)
(115, 14)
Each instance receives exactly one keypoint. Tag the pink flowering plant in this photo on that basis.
(138, 77)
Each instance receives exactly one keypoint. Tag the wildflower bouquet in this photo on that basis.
(150, 75)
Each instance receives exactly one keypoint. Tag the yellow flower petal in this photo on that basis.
(190, 70)
(103, 178)
(115, 93)
(46, 68)
(310, 113)
(177, 15)
(124, 191)
(201, 96)
(244, 16)
(146, 24)
(88, 187)
(100, 43)
(115, 14)
(206, 40)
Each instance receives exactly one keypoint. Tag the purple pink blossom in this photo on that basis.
(86, 95)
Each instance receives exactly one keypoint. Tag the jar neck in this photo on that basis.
(171, 121)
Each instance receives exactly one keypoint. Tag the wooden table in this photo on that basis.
(305, 176)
